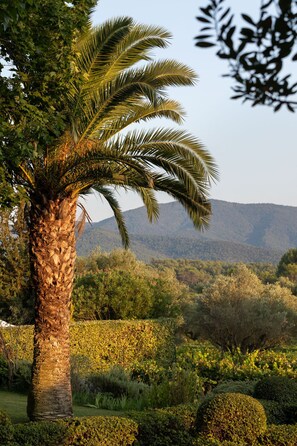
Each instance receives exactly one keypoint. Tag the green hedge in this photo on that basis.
(168, 427)
(282, 435)
(161, 428)
(99, 345)
(92, 431)
(150, 428)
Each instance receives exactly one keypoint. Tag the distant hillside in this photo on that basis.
(237, 232)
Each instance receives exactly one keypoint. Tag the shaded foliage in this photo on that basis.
(16, 293)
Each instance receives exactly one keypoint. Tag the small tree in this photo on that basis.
(239, 313)
(287, 266)
(118, 286)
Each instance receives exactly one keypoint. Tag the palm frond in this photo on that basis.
(198, 208)
(149, 200)
(114, 99)
(142, 112)
(113, 203)
(81, 221)
(163, 143)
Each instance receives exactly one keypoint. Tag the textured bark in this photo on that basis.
(52, 255)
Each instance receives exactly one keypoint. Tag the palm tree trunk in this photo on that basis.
(52, 256)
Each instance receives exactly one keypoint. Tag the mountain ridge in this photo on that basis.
(249, 231)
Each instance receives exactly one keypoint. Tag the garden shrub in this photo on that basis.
(240, 313)
(291, 413)
(158, 428)
(213, 366)
(91, 431)
(41, 433)
(231, 417)
(108, 343)
(186, 413)
(6, 429)
(117, 382)
(100, 431)
(282, 435)
(231, 386)
(276, 413)
(277, 388)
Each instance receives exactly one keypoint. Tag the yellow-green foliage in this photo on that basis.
(98, 345)
(92, 431)
(231, 417)
(213, 366)
(279, 436)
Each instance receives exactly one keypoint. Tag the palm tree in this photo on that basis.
(115, 84)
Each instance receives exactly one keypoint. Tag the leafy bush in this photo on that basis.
(212, 366)
(103, 431)
(277, 388)
(6, 429)
(276, 413)
(239, 313)
(231, 386)
(117, 382)
(231, 417)
(291, 413)
(118, 390)
(287, 266)
(279, 436)
(112, 295)
(118, 286)
(186, 413)
(42, 433)
(178, 387)
(92, 431)
(157, 428)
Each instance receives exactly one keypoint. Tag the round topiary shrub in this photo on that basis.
(276, 388)
(232, 417)
(6, 429)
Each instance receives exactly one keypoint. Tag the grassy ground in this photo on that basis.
(15, 404)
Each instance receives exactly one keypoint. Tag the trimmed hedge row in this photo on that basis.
(99, 345)
(168, 427)
(91, 431)
(149, 428)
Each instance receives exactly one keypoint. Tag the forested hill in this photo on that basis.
(237, 232)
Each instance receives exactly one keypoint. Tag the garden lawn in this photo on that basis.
(15, 405)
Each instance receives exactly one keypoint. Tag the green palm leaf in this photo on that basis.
(110, 92)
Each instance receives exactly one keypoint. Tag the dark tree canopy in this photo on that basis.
(36, 55)
(257, 51)
(288, 264)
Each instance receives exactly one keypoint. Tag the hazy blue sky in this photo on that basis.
(255, 149)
